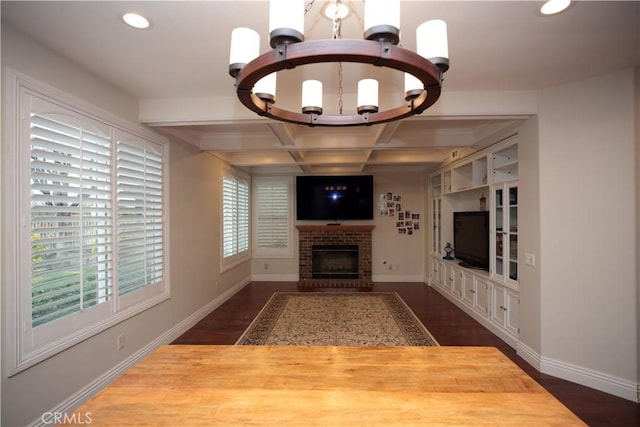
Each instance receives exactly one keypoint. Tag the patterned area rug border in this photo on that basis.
(412, 332)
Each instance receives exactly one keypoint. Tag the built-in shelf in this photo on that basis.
(436, 185)
(466, 176)
(505, 164)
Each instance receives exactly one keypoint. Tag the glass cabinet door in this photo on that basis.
(436, 209)
(512, 218)
(498, 227)
(505, 232)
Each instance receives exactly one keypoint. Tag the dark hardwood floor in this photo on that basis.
(448, 324)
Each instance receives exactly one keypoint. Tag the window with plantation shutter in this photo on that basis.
(139, 217)
(87, 222)
(272, 213)
(71, 218)
(235, 219)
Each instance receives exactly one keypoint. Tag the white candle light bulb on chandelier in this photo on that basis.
(367, 96)
(312, 97)
(412, 86)
(432, 42)
(286, 21)
(245, 47)
(382, 20)
(265, 88)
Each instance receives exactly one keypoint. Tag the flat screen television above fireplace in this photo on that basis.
(334, 198)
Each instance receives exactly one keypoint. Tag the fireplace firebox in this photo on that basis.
(356, 235)
(334, 261)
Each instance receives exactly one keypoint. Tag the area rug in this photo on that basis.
(360, 319)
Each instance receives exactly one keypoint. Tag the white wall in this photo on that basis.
(196, 281)
(637, 180)
(529, 311)
(399, 257)
(588, 254)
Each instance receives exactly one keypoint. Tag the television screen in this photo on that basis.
(334, 198)
(471, 238)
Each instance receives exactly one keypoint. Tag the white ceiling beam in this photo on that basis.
(385, 132)
(190, 136)
(227, 109)
(299, 160)
(284, 133)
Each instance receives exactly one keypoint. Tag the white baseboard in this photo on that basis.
(274, 277)
(295, 278)
(576, 374)
(382, 278)
(620, 387)
(84, 394)
(529, 355)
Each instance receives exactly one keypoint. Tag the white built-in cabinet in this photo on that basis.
(487, 179)
(504, 206)
(504, 312)
(481, 291)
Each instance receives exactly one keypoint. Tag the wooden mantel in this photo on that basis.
(367, 227)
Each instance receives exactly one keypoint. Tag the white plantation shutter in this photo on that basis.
(139, 217)
(235, 216)
(71, 220)
(85, 222)
(243, 216)
(229, 216)
(272, 213)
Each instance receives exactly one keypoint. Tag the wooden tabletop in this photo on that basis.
(182, 385)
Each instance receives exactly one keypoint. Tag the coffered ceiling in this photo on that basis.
(501, 53)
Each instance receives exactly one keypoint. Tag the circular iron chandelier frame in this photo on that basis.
(377, 53)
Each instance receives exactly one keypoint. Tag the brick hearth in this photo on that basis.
(359, 235)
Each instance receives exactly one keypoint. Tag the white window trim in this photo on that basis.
(227, 263)
(13, 175)
(272, 252)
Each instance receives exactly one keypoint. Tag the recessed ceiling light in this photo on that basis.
(136, 21)
(551, 7)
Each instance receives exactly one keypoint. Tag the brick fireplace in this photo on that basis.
(358, 236)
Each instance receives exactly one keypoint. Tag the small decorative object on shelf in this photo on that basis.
(483, 203)
(448, 249)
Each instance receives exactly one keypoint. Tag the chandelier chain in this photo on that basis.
(308, 7)
(337, 34)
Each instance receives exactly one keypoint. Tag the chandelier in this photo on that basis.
(255, 74)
